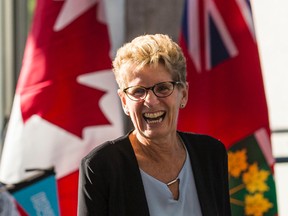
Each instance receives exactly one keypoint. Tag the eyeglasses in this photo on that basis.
(161, 90)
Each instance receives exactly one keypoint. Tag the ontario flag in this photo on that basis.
(66, 99)
(227, 98)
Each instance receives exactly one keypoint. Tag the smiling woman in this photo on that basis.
(154, 169)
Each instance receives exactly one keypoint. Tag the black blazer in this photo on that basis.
(110, 182)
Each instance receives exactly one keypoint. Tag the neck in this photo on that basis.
(160, 149)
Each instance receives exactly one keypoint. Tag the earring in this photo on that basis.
(126, 112)
(182, 106)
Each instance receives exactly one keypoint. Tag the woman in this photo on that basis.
(154, 170)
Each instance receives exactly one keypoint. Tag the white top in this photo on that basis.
(160, 199)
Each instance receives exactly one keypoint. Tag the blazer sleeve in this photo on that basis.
(225, 185)
(217, 166)
(92, 192)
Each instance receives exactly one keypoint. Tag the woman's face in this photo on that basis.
(154, 117)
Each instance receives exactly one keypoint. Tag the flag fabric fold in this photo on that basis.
(66, 100)
(226, 91)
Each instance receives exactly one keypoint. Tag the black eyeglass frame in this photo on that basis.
(174, 83)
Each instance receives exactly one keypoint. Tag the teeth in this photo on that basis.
(153, 115)
(154, 121)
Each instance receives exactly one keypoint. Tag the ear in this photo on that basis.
(185, 93)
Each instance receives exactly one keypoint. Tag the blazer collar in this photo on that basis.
(205, 195)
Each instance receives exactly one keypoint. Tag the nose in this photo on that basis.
(151, 98)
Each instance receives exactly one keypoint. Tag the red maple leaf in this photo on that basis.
(52, 62)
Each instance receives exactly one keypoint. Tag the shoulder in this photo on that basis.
(108, 152)
(205, 151)
(201, 142)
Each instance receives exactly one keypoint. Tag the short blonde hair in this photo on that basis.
(149, 50)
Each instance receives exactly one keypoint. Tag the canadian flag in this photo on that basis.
(66, 100)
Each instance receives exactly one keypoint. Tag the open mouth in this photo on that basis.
(152, 118)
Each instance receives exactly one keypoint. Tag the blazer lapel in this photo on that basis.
(136, 198)
(205, 195)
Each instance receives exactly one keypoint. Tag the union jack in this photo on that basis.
(204, 28)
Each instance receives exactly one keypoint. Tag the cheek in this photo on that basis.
(134, 111)
(136, 118)
(175, 107)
